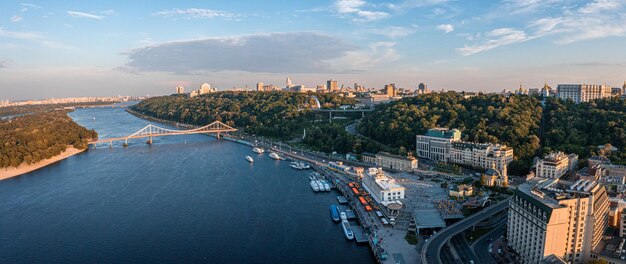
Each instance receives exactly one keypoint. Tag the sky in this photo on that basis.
(106, 48)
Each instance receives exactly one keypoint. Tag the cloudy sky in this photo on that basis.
(102, 48)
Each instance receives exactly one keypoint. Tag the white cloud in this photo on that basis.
(355, 7)
(78, 14)
(108, 12)
(496, 38)
(376, 54)
(601, 6)
(19, 35)
(395, 31)
(407, 4)
(195, 13)
(33, 6)
(16, 18)
(447, 28)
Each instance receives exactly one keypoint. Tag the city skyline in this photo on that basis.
(105, 49)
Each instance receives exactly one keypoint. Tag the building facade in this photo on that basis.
(481, 155)
(180, 90)
(395, 162)
(583, 92)
(550, 217)
(436, 144)
(382, 187)
(555, 165)
(332, 86)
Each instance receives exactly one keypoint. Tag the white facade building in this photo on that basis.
(436, 144)
(382, 187)
(583, 92)
(555, 165)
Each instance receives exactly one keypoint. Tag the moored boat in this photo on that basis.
(249, 159)
(258, 150)
(347, 230)
(275, 156)
(299, 165)
(326, 186)
(314, 186)
(334, 213)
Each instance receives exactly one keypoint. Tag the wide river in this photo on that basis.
(183, 199)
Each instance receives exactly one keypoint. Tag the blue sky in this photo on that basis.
(100, 48)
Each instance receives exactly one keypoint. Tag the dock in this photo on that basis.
(349, 213)
(342, 200)
(359, 235)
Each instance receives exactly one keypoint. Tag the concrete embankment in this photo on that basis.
(9, 172)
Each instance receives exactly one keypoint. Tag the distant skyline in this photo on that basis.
(105, 48)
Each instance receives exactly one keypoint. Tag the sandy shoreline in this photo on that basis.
(6, 173)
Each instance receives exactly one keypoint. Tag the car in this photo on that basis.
(499, 250)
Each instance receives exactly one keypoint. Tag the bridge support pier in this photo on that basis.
(218, 135)
(125, 143)
(111, 144)
(330, 116)
(362, 114)
(149, 140)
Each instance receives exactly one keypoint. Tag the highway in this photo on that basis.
(481, 246)
(463, 249)
(432, 248)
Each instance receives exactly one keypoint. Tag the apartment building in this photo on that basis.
(436, 144)
(555, 164)
(583, 92)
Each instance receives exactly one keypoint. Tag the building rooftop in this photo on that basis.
(441, 132)
(393, 156)
(546, 193)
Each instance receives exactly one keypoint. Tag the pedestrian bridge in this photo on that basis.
(151, 131)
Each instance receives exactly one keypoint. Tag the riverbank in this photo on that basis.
(10, 172)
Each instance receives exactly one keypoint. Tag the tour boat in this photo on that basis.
(334, 212)
(249, 159)
(326, 186)
(347, 230)
(299, 165)
(314, 186)
(258, 150)
(275, 156)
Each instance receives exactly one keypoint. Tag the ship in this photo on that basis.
(249, 159)
(275, 156)
(258, 150)
(326, 186)
(314, 186)
(334, 213)
(347, 230)
(298, 165)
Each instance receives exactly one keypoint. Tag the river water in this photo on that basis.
(183, 199)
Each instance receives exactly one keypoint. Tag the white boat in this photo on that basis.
(275, 156)
(343, 216)
(249, 159)
(314, 186)
(347, 230)
(326, 186)
(258, 150)
(299, 165)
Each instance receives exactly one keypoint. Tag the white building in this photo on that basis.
(481, 155)
(436, 144)
(555, 165)
(382, 187)
(583, 92)
(180, 89)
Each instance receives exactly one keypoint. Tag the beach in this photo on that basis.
(6, 173)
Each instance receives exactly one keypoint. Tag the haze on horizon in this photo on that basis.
(104, 48)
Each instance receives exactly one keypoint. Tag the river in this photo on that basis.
(183, 199)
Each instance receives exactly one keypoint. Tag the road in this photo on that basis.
(481, 246)
(432, 248)
(463, 249)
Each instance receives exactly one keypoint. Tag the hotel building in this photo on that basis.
(555, 165)
(436, 144)
(382, 187)
(554, 217)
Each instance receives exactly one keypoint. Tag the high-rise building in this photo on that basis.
(555, 165)
(259, 87)
(180, 90)
(331, 85)
(390, 90)
(555, 217)
(436, 144)
(624, 89)
(423, 88)
(583, 92)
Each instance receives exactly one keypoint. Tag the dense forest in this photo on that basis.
(30, 109)
(34, 137)
(581, 128)
(270, 114)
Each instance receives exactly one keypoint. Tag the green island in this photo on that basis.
(42, 135)
(530, 125)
